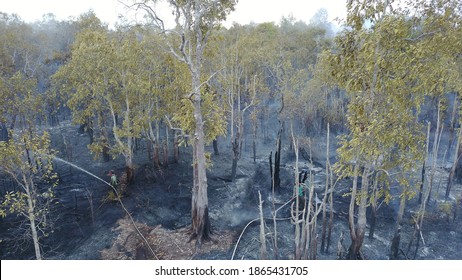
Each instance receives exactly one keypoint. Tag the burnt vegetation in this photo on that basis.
(262, 141)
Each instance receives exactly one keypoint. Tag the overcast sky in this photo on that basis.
(108, 10)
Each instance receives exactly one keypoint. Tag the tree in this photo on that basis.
(27, 160)
(106, 76)
(194, 21)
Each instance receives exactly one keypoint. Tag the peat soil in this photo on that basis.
(88, 226)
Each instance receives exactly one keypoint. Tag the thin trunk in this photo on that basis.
(331, 212)
(452, 125)
(254, 139)
(324, 199)
(215, 147)
(148, 149)
(457, 155)
(155, 157)
(351, 208)
(263, 252)
(423, 164)
(236, 155)
(165, 153)
(277, 163)
(360, 229)
(436, 146)
(176, 149)
(31, 216)
(295, 216)
(374, 207)
(395, 243)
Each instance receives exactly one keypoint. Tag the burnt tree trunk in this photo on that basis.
(215, 147)
(236, 154)
(457, 155)
(155, 156)
(176, 150)
(165, 153)
(275, 172)
(358, 231)
(200, 228)
(148, 150)
(422, 181)
(395, 245)
(4, 133)
(373, 221)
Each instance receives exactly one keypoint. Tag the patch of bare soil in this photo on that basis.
(165, 244)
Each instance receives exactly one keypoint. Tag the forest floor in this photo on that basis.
(159, 201)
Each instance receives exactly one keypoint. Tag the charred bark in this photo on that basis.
(155, 156)
(215, 147)
(165, 153)
(4, 133)
(176, 150)
(236, 155)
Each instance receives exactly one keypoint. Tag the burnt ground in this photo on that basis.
(86, 226)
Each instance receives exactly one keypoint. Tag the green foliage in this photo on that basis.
(213, 114)
(28, 162)
(387, 70)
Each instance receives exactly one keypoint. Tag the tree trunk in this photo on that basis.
(276, 179)
(176, 150)
(360, 229)
(395, 245)
(324, 199)
(373, 221)
(215, 147)
(200, 228)
(31, 217)
(148, 150)
(422, 181)
(374, 207)
(165, 153)
(236, 154)
(4, 133)
(457, 155)
(155, 157)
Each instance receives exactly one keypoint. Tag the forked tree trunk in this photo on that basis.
(358, 231)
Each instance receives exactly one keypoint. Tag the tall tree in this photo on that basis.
(194, 21)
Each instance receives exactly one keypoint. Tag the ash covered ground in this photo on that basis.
(87, 226)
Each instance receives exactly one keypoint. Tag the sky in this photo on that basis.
(246, 11)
